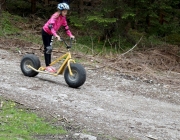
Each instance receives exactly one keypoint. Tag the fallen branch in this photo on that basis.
(133, 46)
(164, 56)
(152, 137)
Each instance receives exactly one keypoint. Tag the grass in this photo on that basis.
(17, 27)
(17, 123)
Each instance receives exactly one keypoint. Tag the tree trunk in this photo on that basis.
(80, 11)
(46, 2)
(3, 4)
(161, 18)
(33, 6)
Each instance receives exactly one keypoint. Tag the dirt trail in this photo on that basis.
(106, 103)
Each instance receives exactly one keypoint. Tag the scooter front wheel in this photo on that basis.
(79, 75)
(32, 60)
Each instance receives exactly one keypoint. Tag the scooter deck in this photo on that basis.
(42, 70)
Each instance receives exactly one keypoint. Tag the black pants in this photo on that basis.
(47, 41)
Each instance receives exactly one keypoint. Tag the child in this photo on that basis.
(49, 30)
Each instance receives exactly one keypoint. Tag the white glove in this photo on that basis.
(72, 37)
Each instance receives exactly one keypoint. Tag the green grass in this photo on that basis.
(16, 123)
(9, 23)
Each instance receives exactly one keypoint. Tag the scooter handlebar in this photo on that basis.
(67, 46)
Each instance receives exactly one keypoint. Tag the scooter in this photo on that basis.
(74, 73)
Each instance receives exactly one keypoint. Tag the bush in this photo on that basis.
(173, 39)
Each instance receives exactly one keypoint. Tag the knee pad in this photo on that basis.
(48, 49)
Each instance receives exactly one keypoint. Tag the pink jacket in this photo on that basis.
(54, 23)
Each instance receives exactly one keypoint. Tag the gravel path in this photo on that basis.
(107, 103)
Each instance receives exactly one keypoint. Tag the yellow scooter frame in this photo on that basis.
(74, 73)
(67, 61)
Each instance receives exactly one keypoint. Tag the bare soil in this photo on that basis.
(136, 96)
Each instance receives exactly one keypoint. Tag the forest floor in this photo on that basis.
(135, 96)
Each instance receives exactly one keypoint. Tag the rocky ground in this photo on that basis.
(133, 97)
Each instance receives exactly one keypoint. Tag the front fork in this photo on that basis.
(69, 67)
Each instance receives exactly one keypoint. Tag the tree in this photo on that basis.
(105, 19)
(33, 6)
(2, 5)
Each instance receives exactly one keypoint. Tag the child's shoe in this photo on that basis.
(50, 69)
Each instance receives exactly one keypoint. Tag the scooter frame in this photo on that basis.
(67, 59)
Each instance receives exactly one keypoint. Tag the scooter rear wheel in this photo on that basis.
(32, 60)
(79, 75)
